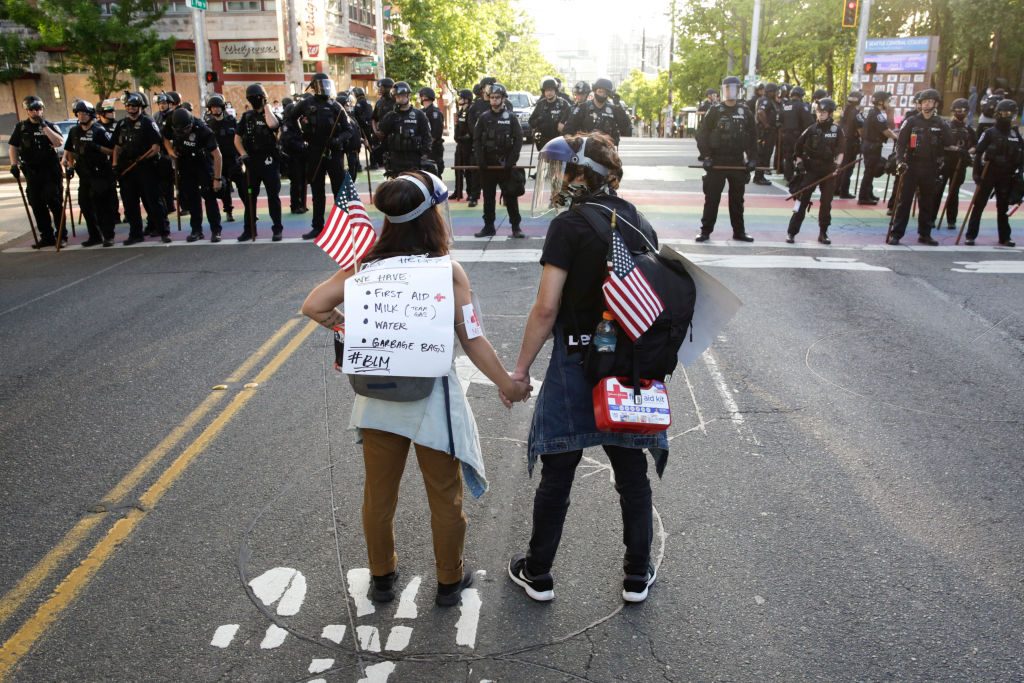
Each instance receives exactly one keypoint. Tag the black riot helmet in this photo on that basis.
(709, 92)
(386, 83)
(499, 89)
(181, 121)
(785, 89)
(880, 97)
(173, 97)
(215, 101)
(402, 88)
(32, 103)
(827, 104)
(960, 103)
(162, 98)
(488, 80)
(106, 107)
(548, 82)
(730, 88)
(321, 86)
(581, 88)
(797, 91)
(478, 90)
(855, 96)
(1006, 110)
(342, 97)
(466, 94)
(83, 107)
(929, 94)
(819, 93)
(770, 88)
(135, 99)
(427, 94)
(604, 83)
(256, 95)
(358, 92)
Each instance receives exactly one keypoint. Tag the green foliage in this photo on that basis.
(16, 54)
(410, 59)
(647, 96)
(105, 46)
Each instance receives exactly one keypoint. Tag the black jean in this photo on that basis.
(551, 503)
(490, 181)
(714, 183)
(263, 170)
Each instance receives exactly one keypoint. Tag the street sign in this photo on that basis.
(197, 4)
(366, 65)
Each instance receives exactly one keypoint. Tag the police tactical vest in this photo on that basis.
(821, 144)
(497, 136)
(731, 130)
(768, 106)
(463, 134)
(875, 126)
(1004, 151)
(925, 139)
(550, 114)
(88, 159)
(35, 148)
(131, 137)
(224, 129)
(190, 147)
(602, 119)
(404, 138)
(257, 136)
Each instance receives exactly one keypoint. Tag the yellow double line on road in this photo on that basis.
(19, 644)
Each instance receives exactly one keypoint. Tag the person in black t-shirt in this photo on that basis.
(569, 304)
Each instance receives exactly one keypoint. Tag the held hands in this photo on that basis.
(518, 389)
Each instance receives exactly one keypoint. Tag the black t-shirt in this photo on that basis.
(575, 247)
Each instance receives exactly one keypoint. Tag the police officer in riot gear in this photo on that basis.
(920, 155)
(326, 132)
(726, 137)
(988, 110)
(105, 118)
(362, 115)
(384, 105)
(580, 92)
(256, 143)
(224, 128)
(355, 140)
(165, 168)
(88, 150)
(406, 134)
(33, 151)
(819, 93)
(464, 178)
(767, 117)
(710, 100)
(876, 132)
(758, 94)
(851, 121)
(549, 115)
(293, 149)
(818, 153)
(957, 163)
(436, 121)
(999, 163)
(497, 141)
(600, 114)
(199, 162)
(137, 139)
(794, 118)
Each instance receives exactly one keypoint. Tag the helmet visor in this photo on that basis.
(731, 91)
(547, 187)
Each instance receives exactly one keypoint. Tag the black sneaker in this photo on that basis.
(244, 237)
(215, 237)
(517, 233)
(634, 587)
(789, 239)
(277, 235)
(969, 242)
(43, 243)
(382, 588)
(133, 240)
(702, 237)
(230, 218)
(194, 237)
(742, 237)
(894, 241)
(471, 203)
(1007, 243)
(486, 232)
(108, 242)
(450, 594)
(92, 242)
(927, 239)
(540, 588)
(312, 234)
(867, 201)
(166, 238)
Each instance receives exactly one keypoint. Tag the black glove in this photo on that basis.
(16, 172)
(901, 168)
(751, 166)
(69, 172)
(798, 167)
(708, 163)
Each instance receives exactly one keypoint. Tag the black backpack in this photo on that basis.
(654, 355)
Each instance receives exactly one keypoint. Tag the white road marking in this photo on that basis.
(223, 636)
(990, 267)
(274, 637)
(469, 618)
(782, 261)
(334, 633)
(496, 255)
(398, 639)
(320, 665)
(281, 583)
(693, 397)
(407, 604)
(723, 388)
(378, 673)
(369, 638)
(359, 589)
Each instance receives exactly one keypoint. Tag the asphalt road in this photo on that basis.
(842, 501)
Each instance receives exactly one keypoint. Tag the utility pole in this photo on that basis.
(293, 66)
(671, 50)
(379, 9)
(199, 38)
(862, 39)
(643, 50)
(755, 34)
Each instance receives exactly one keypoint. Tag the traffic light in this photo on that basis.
(870, 67)
(850, 8)
(211, 76)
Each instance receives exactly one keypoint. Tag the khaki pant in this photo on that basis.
(384, 455)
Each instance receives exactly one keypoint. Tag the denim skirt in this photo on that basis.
(563, 417)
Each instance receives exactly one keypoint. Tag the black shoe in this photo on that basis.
(823, 238)
(166, 238)
(894, 241)
(540, 588)
(133, 240)
(215, 237)
(228, 217)
(889, 212)
(516, 232)
(634, 588)
(382, 588)
(312, 234)
(1007, 243)
(42, 244)
(300, 209)
(277, 236)
(743, 237)
(151, 232)
(789, 239)
(927, 239)
(194, 237)
(486, 232)
(244, 237)
(844, 195)
(702, 237)
(92, 242)
(762, 181)
(108, 242)
(454, 197)
(867, 202)
(471, 203)
(450, 594)
(969, 242)
(950, 227)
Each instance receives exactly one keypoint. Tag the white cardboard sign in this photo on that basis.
(400, 318)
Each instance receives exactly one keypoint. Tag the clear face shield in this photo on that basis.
(324, 87)
(730, 91)
(552, 189)
(434, 197)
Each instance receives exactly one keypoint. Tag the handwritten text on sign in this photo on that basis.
(400, 317)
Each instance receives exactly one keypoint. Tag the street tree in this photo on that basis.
(409, 59)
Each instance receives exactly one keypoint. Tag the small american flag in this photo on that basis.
(627, 293)
(349, 234)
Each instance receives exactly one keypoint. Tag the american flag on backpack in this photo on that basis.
(627, 293)
(348, 234)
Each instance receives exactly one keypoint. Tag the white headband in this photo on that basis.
(439, 195)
